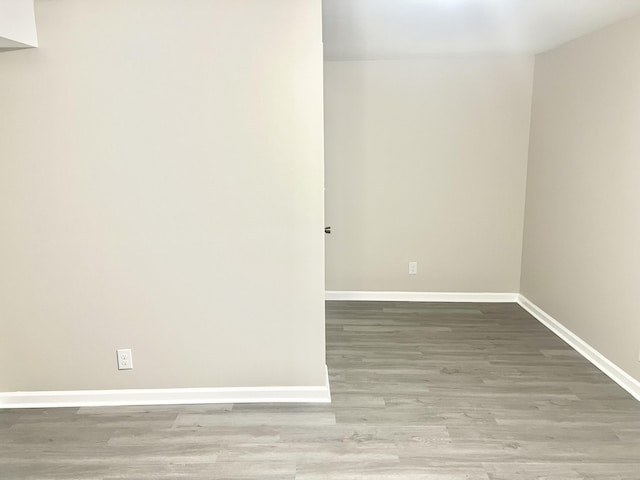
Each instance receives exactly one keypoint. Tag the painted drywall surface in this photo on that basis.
(17, 24)
(161, 190)
(581, 262)
(426, 161)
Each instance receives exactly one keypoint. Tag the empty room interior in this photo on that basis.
(305, 239)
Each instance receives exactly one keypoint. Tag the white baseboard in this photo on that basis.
(609, 368)
(320, 394)
(422, 296)
(166, 396)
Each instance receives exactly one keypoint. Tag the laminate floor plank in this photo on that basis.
(421, 391)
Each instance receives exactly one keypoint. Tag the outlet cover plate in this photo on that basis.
(125, 360)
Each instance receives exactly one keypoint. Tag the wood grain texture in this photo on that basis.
(420, 391)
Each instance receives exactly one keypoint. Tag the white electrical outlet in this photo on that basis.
(125, 360)
(413, 268)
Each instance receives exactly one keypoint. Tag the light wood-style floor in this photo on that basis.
(420, 391)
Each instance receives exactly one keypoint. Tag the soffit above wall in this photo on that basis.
(17, 24)
(377, 29)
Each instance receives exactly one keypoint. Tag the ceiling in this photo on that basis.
(377, 29)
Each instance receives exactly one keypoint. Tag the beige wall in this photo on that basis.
(581, 258)
(161, 189)
(426, 161)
